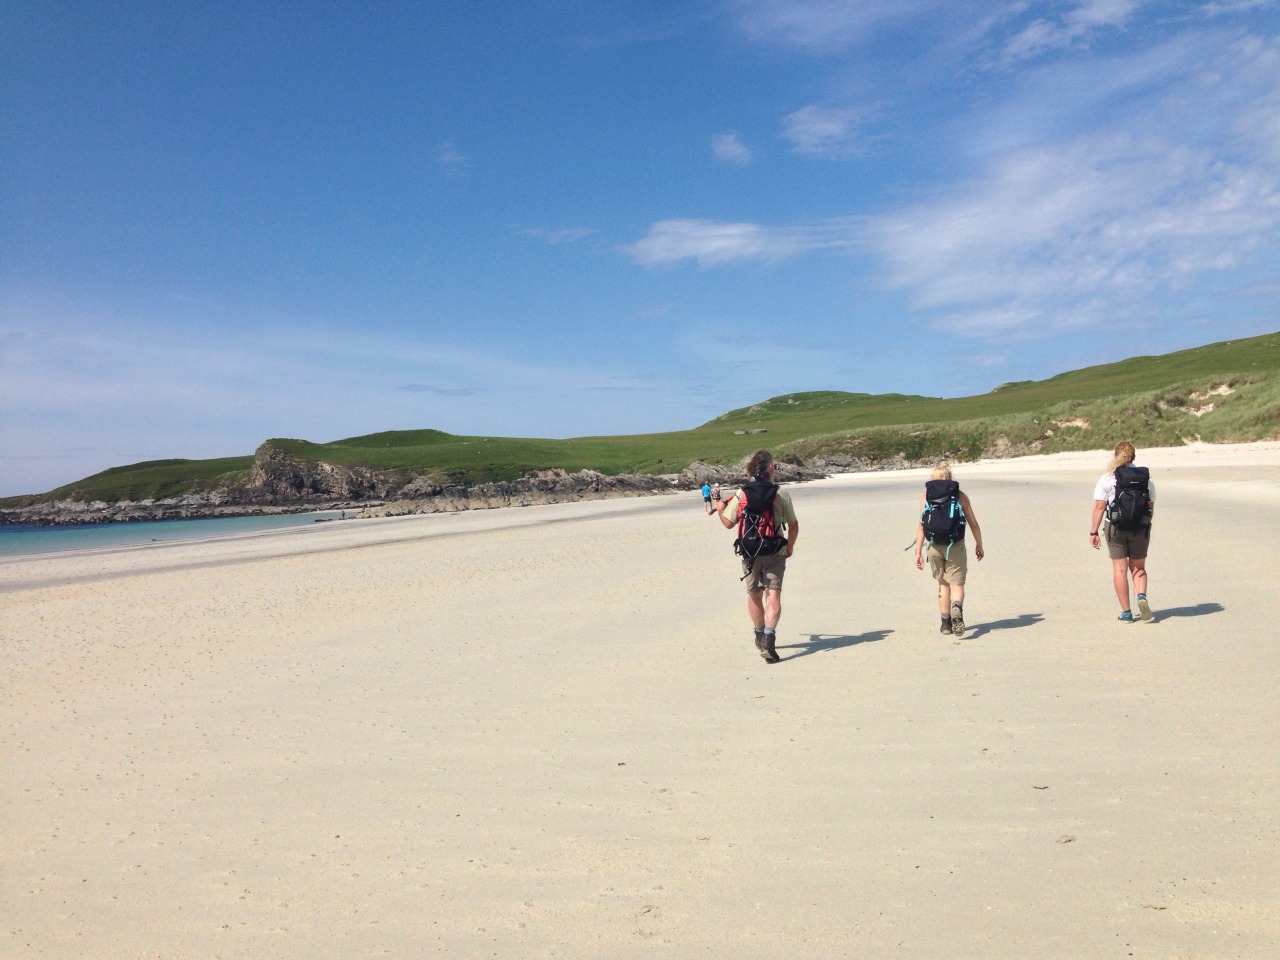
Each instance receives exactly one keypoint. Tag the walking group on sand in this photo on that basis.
(765, 520)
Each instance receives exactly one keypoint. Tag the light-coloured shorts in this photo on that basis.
(766, 572)
(1127, 544)
(949, 565)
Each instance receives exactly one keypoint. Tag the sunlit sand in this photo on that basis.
(546, 732)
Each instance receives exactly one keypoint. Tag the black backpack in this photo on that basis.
(1130, 508)
(943, 517)
(757, 529)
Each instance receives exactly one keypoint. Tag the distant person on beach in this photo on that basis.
(715, 492)
(945, 514)
(767, 532)
(706, 497)
(1125, 499)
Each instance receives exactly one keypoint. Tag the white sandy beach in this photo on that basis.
(545, 732)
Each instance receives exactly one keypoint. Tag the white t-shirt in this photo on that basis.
(1106, 488)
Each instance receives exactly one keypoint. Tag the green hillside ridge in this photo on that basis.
(1223, 392)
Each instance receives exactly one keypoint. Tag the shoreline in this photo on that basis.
(535, 491)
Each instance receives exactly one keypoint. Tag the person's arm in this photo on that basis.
(793, 534)
(973, 525)
(728, 523)
(920, 538)
(1094, 539)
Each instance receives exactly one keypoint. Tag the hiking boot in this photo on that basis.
(957, 620)
(760, 641)
(1144, 608)
(946, 626)
(769, 654)
(1126, 617)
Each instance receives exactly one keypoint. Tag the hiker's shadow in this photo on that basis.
(1199, 610)
(819, 642)
(977, 630)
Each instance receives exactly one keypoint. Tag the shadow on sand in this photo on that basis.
(1199, 610)
(977, 630)
(818, 642)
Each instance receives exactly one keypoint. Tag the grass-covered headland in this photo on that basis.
(1224, 392)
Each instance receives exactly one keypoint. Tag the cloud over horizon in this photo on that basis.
(546, 221)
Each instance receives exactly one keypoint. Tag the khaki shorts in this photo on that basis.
(766, 572)
(1127, 544)
(954, 568)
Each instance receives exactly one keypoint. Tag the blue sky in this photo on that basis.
(224, 222)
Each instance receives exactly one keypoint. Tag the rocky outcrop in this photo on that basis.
(279, 477)
(192, 506)
(282, 482)
(559, 487)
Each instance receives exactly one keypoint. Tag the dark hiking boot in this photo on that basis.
(946, 626)
(760, 641)
(957, 620)
(769, 653)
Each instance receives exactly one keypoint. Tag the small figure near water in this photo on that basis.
(945, 514)
(1125, 497)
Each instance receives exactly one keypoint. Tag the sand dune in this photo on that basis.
(545, 732)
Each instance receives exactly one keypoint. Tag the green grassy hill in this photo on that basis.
(1156, 401)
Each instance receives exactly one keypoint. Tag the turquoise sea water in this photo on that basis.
(24, 539)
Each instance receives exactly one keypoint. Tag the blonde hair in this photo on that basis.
(942, 472)
(1124, 453)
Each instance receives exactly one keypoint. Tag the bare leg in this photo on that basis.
(1138, 568)
(755, 609)
(1120, 579)
(949, 593)
(772, 608)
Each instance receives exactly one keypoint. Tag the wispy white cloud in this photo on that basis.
(822, 26)
(1222, 8)
(86, 388)
(1076, 24)
(729, 148)
(452, 160)
(558, 236)
(1059, 238)
(713, 243)
(440, 391)
(1099, 189)
(823, 131)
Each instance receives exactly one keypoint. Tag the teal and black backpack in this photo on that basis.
(943, 517)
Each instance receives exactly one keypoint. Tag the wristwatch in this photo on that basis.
(1093, 533)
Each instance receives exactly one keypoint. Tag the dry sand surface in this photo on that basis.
(545, 732)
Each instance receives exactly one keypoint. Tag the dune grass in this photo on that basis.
(1212, 410)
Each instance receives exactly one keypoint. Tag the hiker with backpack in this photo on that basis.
(767, 532)
(1125, 497)
(945, 515)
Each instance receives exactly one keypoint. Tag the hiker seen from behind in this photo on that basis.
(945, 516)
(767, 529)
(1124, 501)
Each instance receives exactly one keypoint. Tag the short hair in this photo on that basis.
(758, 465)
(941, 472)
